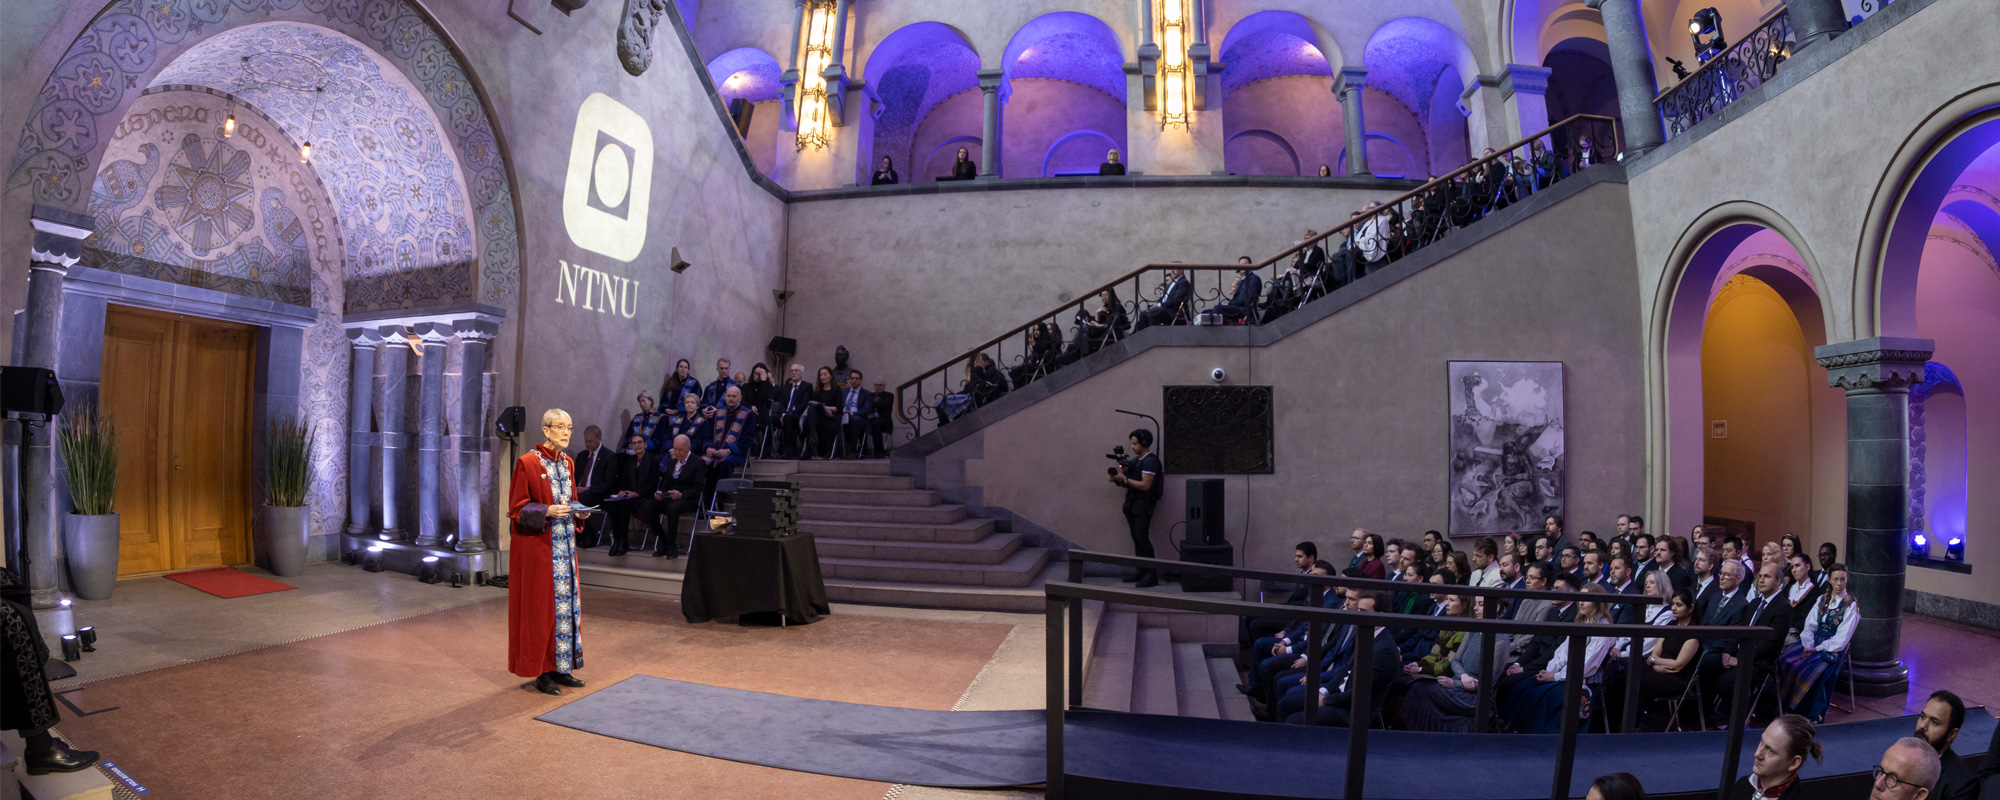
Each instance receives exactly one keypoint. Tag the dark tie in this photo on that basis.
(591, 469)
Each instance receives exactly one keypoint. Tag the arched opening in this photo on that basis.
(1078, 153)
(1667, 29)
(1387, 158)
(1411, 61)
(751, 75)
(1939, 460)
(1756, 440)
(1279, 115)
(1580, 79)
(1064, 73)
(924, 83)
(937, 161)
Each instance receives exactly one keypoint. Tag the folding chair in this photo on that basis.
(1843, 667)
(1675, 704)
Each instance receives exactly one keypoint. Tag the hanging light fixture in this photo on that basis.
(1174, 64)
(816, 54)
(229, 125)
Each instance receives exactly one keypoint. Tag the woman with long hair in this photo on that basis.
(1781, 753)
(680, 382)
(1373, 567)
(1536, 704)
(757, 393)
(824, 411)
(886, 176)
(1670, 659)
(1807, 669)
(1801, 591)
(964, 169)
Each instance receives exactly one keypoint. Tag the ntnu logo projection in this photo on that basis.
(610, 179)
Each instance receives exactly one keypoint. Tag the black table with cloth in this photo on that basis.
(733, 575)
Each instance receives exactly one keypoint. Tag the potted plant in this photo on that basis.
(288, 467)
(90, 533)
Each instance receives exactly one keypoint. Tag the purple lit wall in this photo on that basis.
(910, 75)
(1065, 96)
(745, 72)
(1580, 80)
(1279, 114)
(1414, 60)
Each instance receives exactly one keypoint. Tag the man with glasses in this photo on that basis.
(1907, 771)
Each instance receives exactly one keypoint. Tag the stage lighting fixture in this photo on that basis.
(88, 635)
(373, 561)
(458, 579)
(1706, 22)
(1954, 549)
(72, 649)
(350, 557)
(428, 573)
(1920, 546)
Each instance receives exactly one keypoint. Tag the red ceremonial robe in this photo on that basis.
(531, 604)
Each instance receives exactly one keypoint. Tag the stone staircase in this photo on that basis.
(1153, 662)
(881, 541)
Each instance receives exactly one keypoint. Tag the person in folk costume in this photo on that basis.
(544, 607)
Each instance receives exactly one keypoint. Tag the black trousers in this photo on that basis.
(1139, 518)
(878, 428)
(669, 535)
(593, 528)
(791, 439)
(825, 431)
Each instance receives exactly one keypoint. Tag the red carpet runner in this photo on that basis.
(228, 582)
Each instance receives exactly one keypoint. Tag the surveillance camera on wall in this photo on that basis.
(1218, 375)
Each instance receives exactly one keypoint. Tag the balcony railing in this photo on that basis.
(1728, 76)
(1312, 268)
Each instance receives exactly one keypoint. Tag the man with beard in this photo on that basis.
(1938, 725)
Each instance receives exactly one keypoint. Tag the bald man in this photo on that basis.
(1907, 771)
(677, 493)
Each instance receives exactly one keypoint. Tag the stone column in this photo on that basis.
(58, 245)
(1525, 89)
(838, 45)
(1347, 86)
(1632, 70)
(430, 431)
(1198, 55)
(360, 433)
(473, 337)
(395, 359)
(1877, 374)
(1815, 21)
(789, 80)
(989, 132)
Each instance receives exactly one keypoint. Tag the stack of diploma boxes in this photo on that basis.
(769, 509)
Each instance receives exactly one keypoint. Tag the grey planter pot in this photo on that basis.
(91, 543)
(285, 539)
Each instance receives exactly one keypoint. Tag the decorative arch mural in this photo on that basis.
(925, 78)
(1061, 73)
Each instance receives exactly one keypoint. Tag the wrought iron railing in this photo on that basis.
(1309, 269)
(1728, 76)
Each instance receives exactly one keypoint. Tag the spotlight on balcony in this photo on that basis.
(1707, 23)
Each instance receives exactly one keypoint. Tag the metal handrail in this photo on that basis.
(1064, 686)
(1390, 209)
(1679, 105)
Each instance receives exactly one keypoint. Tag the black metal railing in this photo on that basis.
(1064, 652)
(1728, 76)
(1309, 269)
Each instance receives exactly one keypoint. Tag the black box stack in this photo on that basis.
(769, 509)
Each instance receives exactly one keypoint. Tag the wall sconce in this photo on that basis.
(818, 51)
(1173, 64)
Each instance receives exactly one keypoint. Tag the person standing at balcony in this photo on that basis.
(964, 169)
(886, 176)
(1111, 165)
(1140, 477)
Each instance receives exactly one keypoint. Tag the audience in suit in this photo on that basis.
(857, 406)
(1751, 658)
(677, 492)
(1621, 581)
(1173, 302)
(1336, 698)
(1938, 725)
(1243, 297)
(596, 474)
(638, 473)
(882, 419)
(789, 409)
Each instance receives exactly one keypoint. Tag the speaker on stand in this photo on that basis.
(1204, 543)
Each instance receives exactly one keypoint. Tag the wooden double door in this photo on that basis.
(178, 391)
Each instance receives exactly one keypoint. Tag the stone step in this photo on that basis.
(1027, 599)
(964, 531)
(990, 550)
(1191, 679)
(910, 498)
(931, 515)
(1111, 662)
(1154, 688)
(1017, 570)
(1223, 676)
(817, 466)
(649, 581)
(632, 560)
(817, 480)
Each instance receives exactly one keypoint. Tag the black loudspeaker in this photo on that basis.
(1204, 511)
(784, 346)
(740, 111)
(30, 391)
(511, 421)
(1221, 555)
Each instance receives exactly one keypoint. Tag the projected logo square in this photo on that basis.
(610, 179)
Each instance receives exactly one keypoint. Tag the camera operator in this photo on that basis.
(1140, 475)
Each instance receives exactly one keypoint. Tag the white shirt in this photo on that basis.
(1488, 577)
(1798, 591)
(1594, 651)
(1848, 620)
(1369, 239)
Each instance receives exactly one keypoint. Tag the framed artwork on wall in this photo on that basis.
(1505, 441)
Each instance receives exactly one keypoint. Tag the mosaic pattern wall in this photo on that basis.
(394, 51)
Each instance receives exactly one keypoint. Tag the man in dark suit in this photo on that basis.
(1725, 607)
(1386, 662)
(596, 474)
(1172, 303)
(881, 421)
(1532, 656)
(1938, 724)
(856, 406)
(638, 473)
(790, 409)
(1244, 297)
(1768, 609)
(1622, 582)
(680, 480)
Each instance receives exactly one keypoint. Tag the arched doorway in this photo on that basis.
(1064, 73)
(926, 78)
(751, 75)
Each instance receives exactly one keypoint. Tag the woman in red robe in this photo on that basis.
(544, 608)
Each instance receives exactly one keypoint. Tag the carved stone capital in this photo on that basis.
(434, 334)
(54, 252)
(473, 330)
(1350, 79)
(1878, 363)
(989, 79)
(364, 338)
(395, 336)
(1524, 79)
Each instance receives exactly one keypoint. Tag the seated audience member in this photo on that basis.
(1432, 658)
(1752, 659)
(1809, 668)
(1392, 559)
(1511, 574)
(1371, 239)
(688, 421)
(1616, 786)
(964, 169)
(596, 474)
(1243, 296)
(1621, 581)
(1373, 567)
(730, 438)
(1771, 553)
(1278, 666)
(638, 474)
(1702, 576)
(1459, 565)
(1642, 555)
(677, 492)
(1725, 607)
(1669, 661)
(1309, 262)
(1415, 642)
(1587, 154)
(711, 395)
(1336, 698)
(1801, 591)
(1781, 752)
(856, 406)
(1535, 705)
(1173, 305)
(757, 393)
(824, 414)
(882, 419)
(1358, 542)
(886, 176)
(1909, 770)
(677, 384)
(788, 411)
(1111, 165)
(1252, 632)
(1325, 171)
(984, 381)
(1547, 171)
(1110, 322)
(1732, 550)
(1485, 564)
(1272, 643)
(1592, 570)
(1570, 559)
(1530, 655)
(1938, 725)
(1828, 556)
(1446, 704)
(1668, 558)
(647, 422)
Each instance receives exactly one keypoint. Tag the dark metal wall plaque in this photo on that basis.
(1218, 430)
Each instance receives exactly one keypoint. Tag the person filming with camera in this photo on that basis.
(1140, 475)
